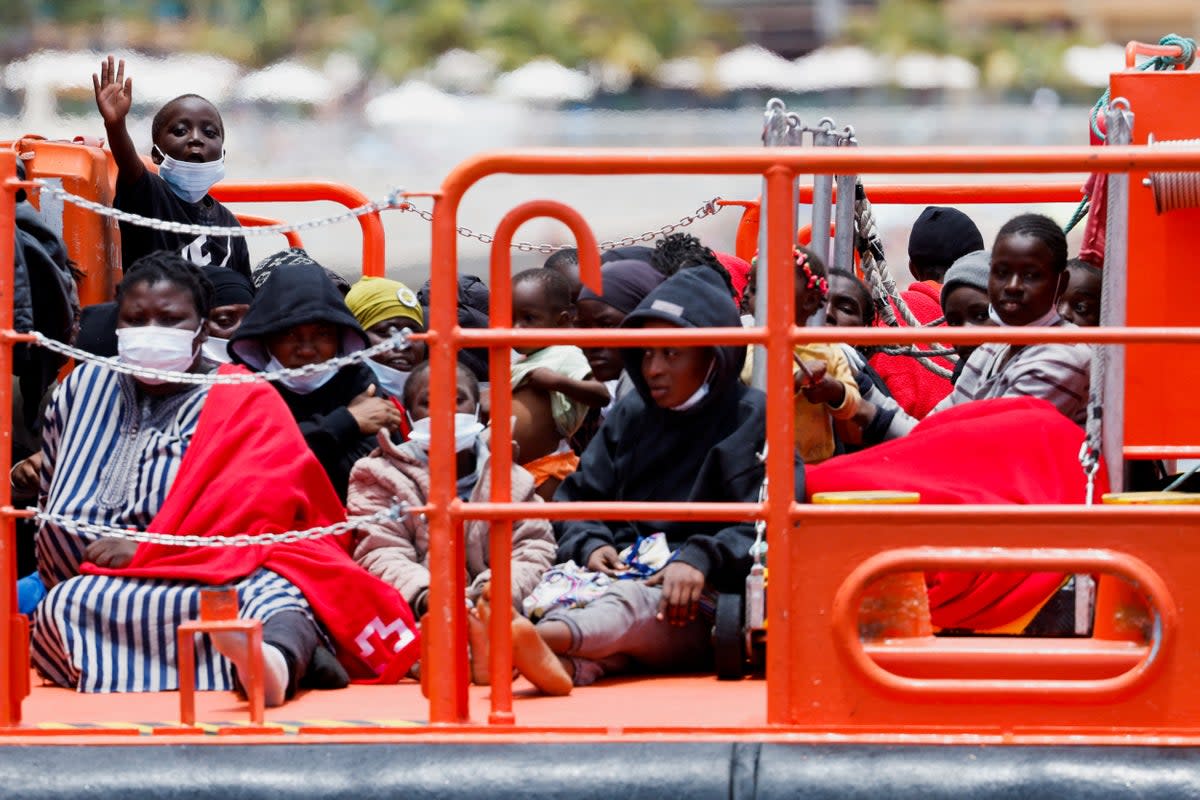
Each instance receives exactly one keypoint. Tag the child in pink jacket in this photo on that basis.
(397, 551)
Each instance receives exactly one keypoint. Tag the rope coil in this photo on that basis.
(1174, 190)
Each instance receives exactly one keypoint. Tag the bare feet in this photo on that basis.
(275, 670)
(532, 657)
(478, 620)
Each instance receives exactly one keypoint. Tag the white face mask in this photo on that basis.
(467, 428)
(156, 347)
(216, 349)
(1049, 318)
(390, 379)
(700, 393)
(190, 180)
(302, 384)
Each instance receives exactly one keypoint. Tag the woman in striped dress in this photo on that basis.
(112, 448)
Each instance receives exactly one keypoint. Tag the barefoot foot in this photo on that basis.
(534, 659)
(477, 636)
(275, 669)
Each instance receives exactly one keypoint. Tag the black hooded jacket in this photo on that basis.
(299, 295)
(708, 453)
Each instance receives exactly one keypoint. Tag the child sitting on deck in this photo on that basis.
(1081, 301)
(552, 386)
(298, 318)
(397, 551)
(823, 381)
(188, 138)
(689, 433)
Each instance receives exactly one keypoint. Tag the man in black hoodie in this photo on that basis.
(297, 318)
(691, 432)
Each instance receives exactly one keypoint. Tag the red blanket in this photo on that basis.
(249, 470)
(1008, 450)
(915, 388)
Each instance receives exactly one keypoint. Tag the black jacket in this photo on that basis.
(300, 294)
(708, 453)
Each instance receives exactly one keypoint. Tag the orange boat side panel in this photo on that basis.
(1162, 281)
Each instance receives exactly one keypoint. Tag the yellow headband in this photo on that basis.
(373, 300)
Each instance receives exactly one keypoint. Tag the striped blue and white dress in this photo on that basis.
(111, 453)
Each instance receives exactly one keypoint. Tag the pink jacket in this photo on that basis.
(398, 551)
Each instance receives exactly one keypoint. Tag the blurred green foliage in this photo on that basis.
(392, 37)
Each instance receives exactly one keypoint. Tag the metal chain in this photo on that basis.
(397, 341)
(391, 201)
(707, 210)
(393, 513)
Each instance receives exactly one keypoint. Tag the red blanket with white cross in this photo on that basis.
(248, 470)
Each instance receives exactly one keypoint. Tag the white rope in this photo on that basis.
(883, 288)
(394, 512)
(397, 341)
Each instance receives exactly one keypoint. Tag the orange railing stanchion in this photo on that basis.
(500, 376)
(10, 683)
(373, 249)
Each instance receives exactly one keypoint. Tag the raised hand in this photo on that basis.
(114, 92)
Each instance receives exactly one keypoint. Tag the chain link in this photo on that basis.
(397, 341)
(391, 201)
(393, 513)
(709, 209)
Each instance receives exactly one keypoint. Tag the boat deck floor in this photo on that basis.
(693, 702)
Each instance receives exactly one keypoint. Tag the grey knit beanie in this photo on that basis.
(969, 270)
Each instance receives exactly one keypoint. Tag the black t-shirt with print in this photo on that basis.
(150, 196)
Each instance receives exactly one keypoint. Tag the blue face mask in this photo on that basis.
(390, 379)
(190, 180)
(302, 384)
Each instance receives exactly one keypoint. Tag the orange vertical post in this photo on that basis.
(446, 622)
(786, 655)
(500, 318)
(10, 691)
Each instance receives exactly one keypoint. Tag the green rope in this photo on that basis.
(1186, 56)
(1080, 213)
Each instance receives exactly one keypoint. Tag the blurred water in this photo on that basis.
(262, 144)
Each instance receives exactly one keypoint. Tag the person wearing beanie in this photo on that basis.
(232, 294)
(690, 432)
(291, 257)
(965, 298)
(297, 318)
(939, 237)
(624, 284)
(383, 308)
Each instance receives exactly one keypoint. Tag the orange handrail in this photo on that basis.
(255, 221)
(795, 654)
(373, 247)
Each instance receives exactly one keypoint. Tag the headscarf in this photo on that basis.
(739, 272)
(230, 288)
(373, 300)
(970, 270)
(291, 257)
(624, 284)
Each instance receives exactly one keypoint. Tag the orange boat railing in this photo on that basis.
(818, 676)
